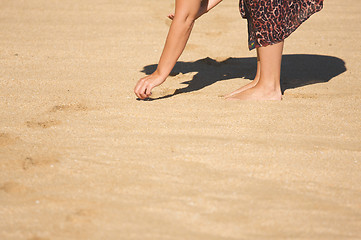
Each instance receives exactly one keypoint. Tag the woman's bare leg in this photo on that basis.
(268, 86)
(252, 83)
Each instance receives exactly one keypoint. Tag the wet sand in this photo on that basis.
(81, 158)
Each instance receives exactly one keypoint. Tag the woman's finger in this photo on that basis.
(137, 88)
(136, 91)
(142, 93)
(148, 90)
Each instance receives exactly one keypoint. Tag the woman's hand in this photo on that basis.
(206, 5)
(171, 16)
(202, 10)
(144, 87)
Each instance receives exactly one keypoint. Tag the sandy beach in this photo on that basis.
(81, 158)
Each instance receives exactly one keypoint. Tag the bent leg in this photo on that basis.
(268, 86)
(252, 83)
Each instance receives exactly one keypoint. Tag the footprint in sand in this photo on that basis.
(58, 108)
(7, 139)
(304, 95)
(81, 216)
(69, 107)
(42, 124)
(14, 188)
(30, 162)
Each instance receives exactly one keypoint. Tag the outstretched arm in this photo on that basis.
(186, 12)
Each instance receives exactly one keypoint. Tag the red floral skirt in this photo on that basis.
(271, 21)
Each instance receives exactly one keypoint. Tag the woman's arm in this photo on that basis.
(186, 12)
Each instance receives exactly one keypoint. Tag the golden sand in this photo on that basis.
(81, 158)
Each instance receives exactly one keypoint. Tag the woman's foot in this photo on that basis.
(258, 93)
(251, 84)
(269, 72)
(243, 88)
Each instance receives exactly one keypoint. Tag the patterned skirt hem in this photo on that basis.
(253, 44)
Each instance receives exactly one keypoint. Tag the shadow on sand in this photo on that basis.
(297, 70)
